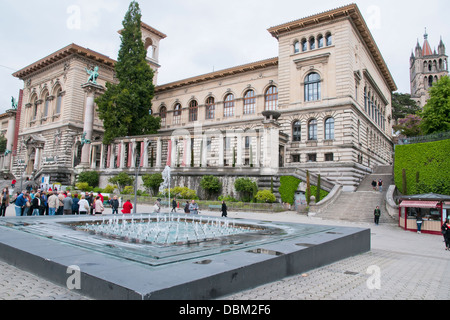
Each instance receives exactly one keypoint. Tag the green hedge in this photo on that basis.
(429, 162)
(288, 187)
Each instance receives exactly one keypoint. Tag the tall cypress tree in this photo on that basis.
(125, 107)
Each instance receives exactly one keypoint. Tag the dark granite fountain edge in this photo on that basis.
(107, 277)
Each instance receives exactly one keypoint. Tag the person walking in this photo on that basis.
(60, 210)
(127, 206)
(53, 203)
(75, 205)
(67, 205)
(380, 185)
(4, 202)
(224, 209)
(27, 210)
(377, 214)
(174, 206)
(36, 205)
(20, 203)
(114, 205)
(419, 221)
(446, 233)
(193, 207)
(83, 205)
(98, 205)
(374, 185)
(186, 208)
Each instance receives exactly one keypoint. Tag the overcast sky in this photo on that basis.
(203, 35)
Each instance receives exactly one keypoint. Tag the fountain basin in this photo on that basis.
(112, 267)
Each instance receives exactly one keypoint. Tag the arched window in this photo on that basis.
(320, 41)
(228, 106)
(210, 108)
(193, 111)
(304, 45)
(312, 130)
(46, 104)
(312, 87)
(312, 43)
(177, 114)
(296, 47)
(271, 98)
(297, 131)
(249, 102)
(163, 115)
(365, 99)
(329, 129)
(430, 81)
(59, 101)
(329, 39)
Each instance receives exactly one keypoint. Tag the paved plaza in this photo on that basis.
(401, 266)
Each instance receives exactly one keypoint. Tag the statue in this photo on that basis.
(93, 75)
(14, 103)
(84, 140)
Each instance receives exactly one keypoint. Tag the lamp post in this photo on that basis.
(136, 175)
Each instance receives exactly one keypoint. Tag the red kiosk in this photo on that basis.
(432, 207)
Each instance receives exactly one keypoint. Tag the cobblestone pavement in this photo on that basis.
(401, 266)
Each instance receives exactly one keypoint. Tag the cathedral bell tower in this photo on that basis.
(426, 68)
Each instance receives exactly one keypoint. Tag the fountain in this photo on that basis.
(171, 256)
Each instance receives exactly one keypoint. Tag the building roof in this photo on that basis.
(426, 51)
(427, 197)
(61, 54)
(351, 12)
(219, 74)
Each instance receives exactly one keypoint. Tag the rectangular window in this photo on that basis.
(329, 157)
(312, 157)
(296, 158)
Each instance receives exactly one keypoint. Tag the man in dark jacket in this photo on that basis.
(114, 205)
(377, 214)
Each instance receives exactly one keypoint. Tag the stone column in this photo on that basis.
(257, 161)
(10, 138)
(159, 153)
(91, 91)
(144, 152)
(221, 150)
(133, 151)
(271, 147)
(239, 150)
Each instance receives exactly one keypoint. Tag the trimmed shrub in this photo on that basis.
(265, 196)
(428, 161)
(289, 185)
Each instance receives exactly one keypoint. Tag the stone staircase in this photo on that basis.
(265, 183)
(358, 206)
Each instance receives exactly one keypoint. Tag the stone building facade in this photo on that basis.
(323, 105)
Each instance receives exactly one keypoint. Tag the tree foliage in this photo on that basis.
(92, 178)
(152, 182)
(125, 107)
(122, 180)
(410, 126)
(403, 105)
(436, 113)
(247, 189)
(211, 185)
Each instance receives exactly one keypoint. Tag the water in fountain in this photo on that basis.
(166, 229)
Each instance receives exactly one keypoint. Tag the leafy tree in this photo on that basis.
(410, 126)
(92, 178)
(403, 105)
(125, 107)
(436, 113)
(122, 180)
(211, 185)
(152, 182)
(247, 188)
